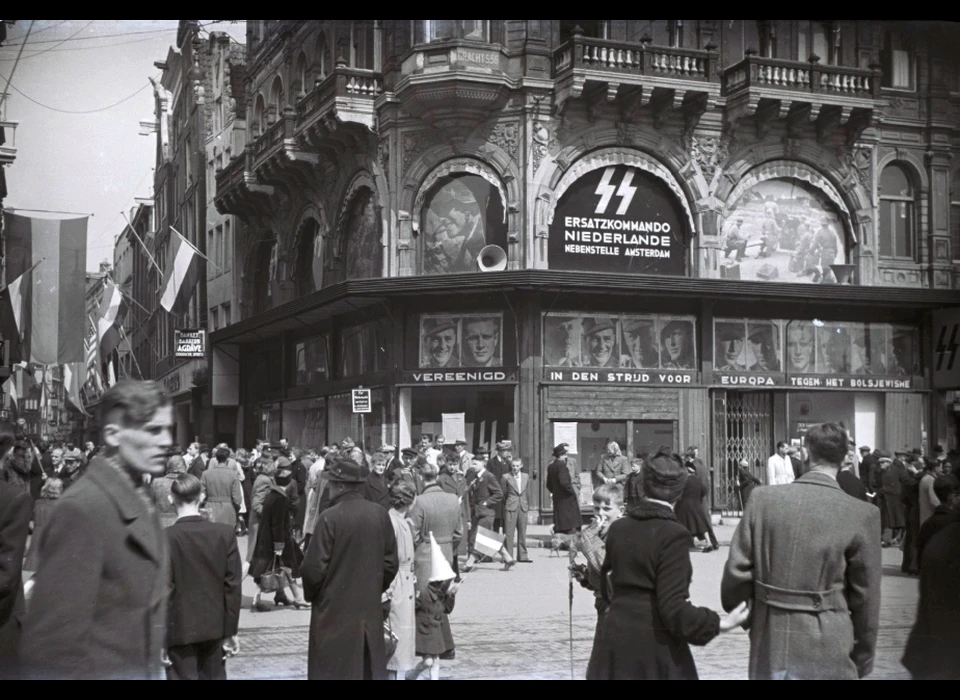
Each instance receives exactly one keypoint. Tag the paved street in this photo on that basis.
(515, 625)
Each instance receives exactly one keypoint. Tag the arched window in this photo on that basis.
(275, 108)
(362, 254)
(309, 258)
(955, 215)
(461, 215)
(259, 116)
(303, 83)
(321, 57)
(897, 214)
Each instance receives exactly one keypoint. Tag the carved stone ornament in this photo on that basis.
(414, 143)
(859, 161)
(710, 153)
(507, 137)
(542, 138)
(626, 134)
(383, 155)
(792, 147)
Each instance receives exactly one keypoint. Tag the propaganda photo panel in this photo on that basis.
(461, 340)
(748, 346)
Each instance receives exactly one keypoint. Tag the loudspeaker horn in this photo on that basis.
(843, 273)
(492, 259)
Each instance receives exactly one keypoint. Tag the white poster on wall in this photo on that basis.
(566, 433)
(453, 427)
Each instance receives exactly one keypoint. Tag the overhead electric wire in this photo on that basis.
(3, 95)
(70, 111)
(31, 55)
(87, 48)
(93, 38)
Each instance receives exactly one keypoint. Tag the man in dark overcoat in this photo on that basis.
(485, 499)
(352, 559)
(499, 465)
(16, 511)
(99, 605)
(807, 558)
(566, 508)
(438, 512)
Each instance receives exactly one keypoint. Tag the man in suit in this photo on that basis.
(99, 604)
(16, 511)
(815, 596)
(485, 499)
(205, 576)
(498, 466)
(516, 505)
(438, 512)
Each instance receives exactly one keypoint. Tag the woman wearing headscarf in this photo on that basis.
(402, 592)
(275, 540)
(160, 489)
(51, 491)
(261, 487)
(651, 621)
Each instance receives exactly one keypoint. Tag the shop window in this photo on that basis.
(897, 214)
(310, 366)
(487, 412)
(624, 341)
(309, 263)
(305, 423)
(431, 30)
(344, 423)
(955, 215)
(362, 350)
(462, 214)
(594, 28)
(363, 255)
(897, 61)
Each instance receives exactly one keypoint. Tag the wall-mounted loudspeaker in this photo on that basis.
(492, 258)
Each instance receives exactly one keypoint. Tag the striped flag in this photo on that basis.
(73, 380)
(488, 543)
(113, 308)
(93, 364)
(53, 295)
(181, 277)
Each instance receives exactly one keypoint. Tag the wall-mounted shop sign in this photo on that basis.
(618, 219)
(772, 353)
(622, 377)
(190, 343)
(461, 376)
(624, 341)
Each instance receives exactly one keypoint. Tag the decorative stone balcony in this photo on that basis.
(346, 95)
(662, 81)
(238, 191)
(766, 90)
(8, 142)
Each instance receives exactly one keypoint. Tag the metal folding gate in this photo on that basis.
(742, 429)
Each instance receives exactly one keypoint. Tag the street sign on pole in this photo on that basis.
(361, 401)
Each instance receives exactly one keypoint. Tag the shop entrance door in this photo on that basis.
(742, 429)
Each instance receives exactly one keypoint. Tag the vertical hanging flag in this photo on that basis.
(73, 375)
(53, 295)
(180, 280)
(113, 307)
(93, 364)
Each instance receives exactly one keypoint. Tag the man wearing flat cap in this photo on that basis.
(351, 560)
(600, 339)
(807, 559)
(441, 344)
(410, 459)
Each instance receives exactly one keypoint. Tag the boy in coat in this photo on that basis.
(99, 604)
(205, 576)
(815, 596)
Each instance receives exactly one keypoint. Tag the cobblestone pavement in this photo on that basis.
(515, 625)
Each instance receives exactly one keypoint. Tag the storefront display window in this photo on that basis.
(361, 350)
(343, 422)
(578, 339)
(310, 361)
(270, 417)
(305, 423)
(487, 413)
(462, 214)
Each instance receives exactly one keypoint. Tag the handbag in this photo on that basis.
(276, 578)
(390, 640)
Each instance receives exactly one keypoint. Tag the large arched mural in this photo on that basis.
(783, 230)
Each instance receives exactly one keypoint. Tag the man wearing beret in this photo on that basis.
(440, 336)
(807, 559)
(351, 560)
(600, 335)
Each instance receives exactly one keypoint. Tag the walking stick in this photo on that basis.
(570, 610)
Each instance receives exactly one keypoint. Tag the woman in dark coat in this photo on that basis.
(890, 484)
(651, 621)
(566, 506)
(910, 498)
(276, 534)
(689, 510)
(246, 465)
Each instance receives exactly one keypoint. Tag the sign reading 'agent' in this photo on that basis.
(190, 343)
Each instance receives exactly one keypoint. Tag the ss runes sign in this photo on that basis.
(946, 349)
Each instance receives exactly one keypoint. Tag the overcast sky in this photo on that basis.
(93, 163)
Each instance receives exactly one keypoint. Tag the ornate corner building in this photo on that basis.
(659, 232)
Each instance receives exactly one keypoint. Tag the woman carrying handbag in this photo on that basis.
(276, 557)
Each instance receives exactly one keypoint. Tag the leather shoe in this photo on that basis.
(525, 561)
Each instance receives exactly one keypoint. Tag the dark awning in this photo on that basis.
(354, 295)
